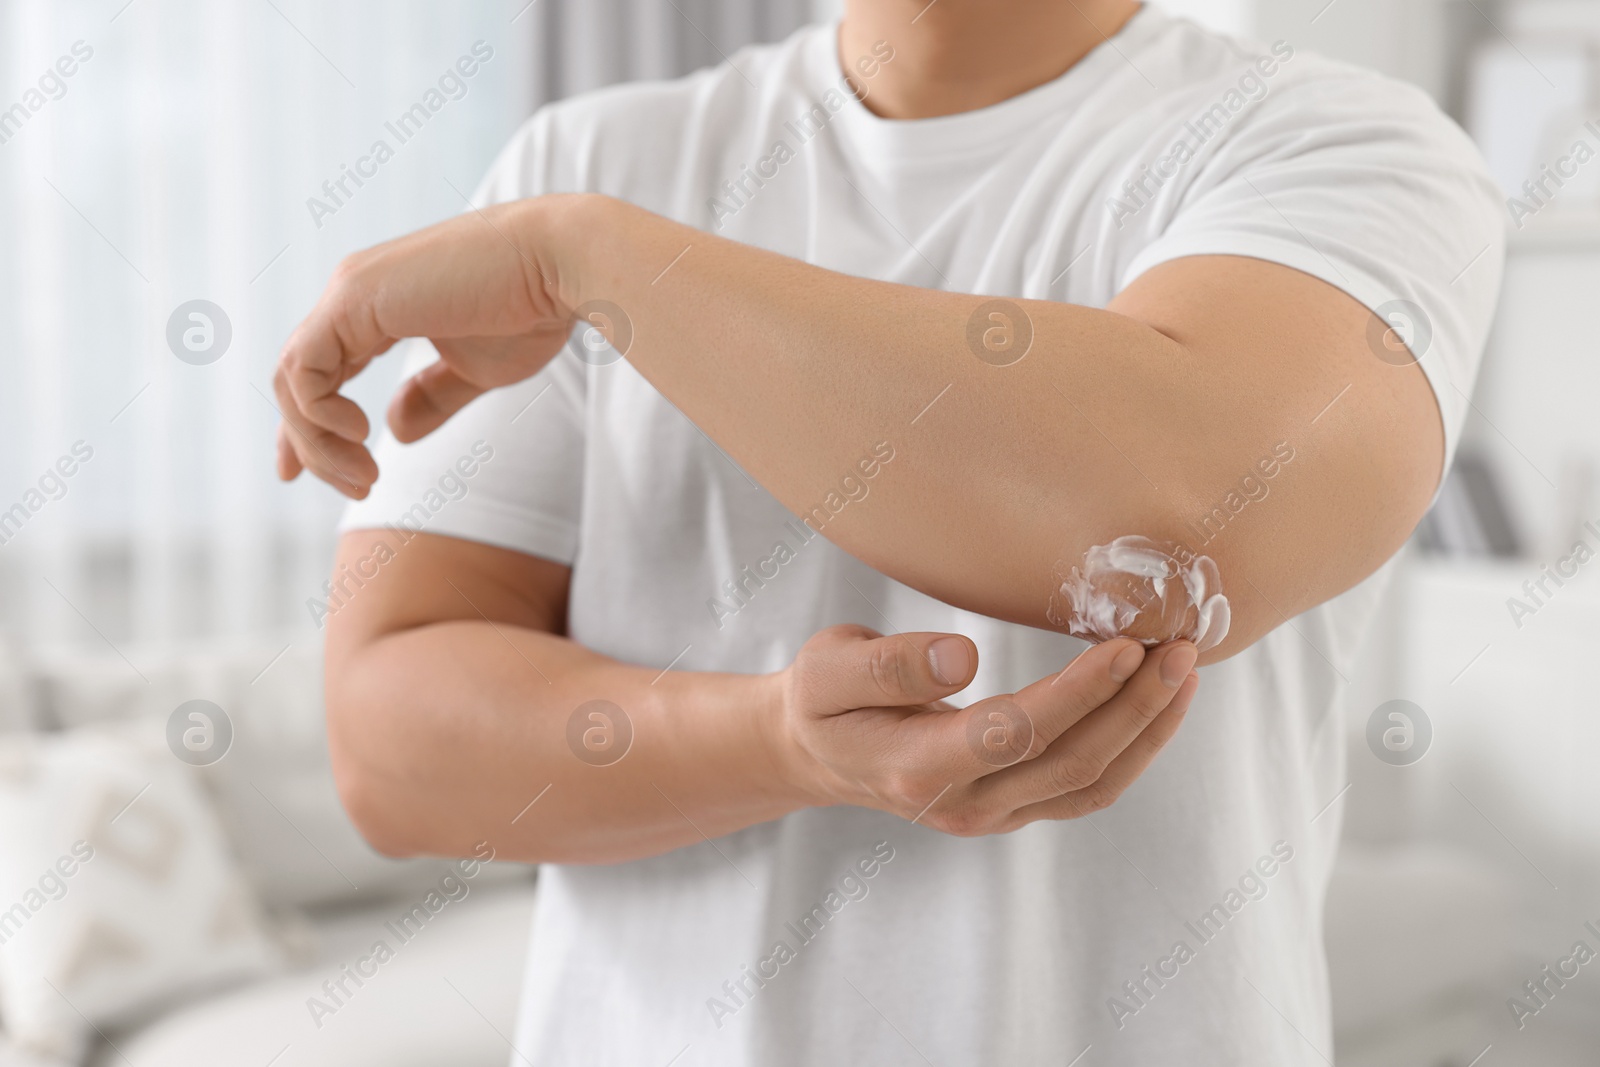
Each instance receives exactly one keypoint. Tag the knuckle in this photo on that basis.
(804, 664)
(1012, 822)
(964, 820)
(1145, 705)
(1097, 797)
(346, 271)
(1088, 693)
(849, 631)
(1084, 689)
(290, 366)
(1038, 745)
(818, 646)
(1072, 772)
(912, 788)
(887, 669)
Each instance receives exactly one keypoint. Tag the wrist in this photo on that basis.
(786, 758)
(558, 232)
(729, 727)
(784, 723)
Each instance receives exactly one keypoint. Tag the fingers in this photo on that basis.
(850, 667)
(1081, 756)
(459, 279)
(427, 400)
(345, 465)
(337, 414)
(1004, 731)
(1060, 701)
(323, 431)
(338, 339)
(887, 742)
(1122, 772)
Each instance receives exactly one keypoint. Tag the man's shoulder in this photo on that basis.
(1233, 99)
(1179, 60)
(641, 130)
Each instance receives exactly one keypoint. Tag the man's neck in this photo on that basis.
(960, 55)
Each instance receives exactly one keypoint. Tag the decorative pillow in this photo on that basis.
(117, 890)
(273, 791)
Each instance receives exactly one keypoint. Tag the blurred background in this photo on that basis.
(160, 167)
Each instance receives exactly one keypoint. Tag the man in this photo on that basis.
(617, 610)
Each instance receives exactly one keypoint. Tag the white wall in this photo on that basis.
(1225, 16)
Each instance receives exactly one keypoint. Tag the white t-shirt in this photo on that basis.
(1183, 924)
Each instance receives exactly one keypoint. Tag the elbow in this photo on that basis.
(372, 794)
(370, 806)
(1153, 590)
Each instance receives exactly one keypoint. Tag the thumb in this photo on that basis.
(427, 400)
(849, 671)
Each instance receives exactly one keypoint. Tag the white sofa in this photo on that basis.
(447, 998)
(318, 896)
(1428, 934)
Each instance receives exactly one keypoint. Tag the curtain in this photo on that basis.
(195, 152)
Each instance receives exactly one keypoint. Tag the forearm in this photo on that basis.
(454, 733)
(797, 372)
(1112, 424)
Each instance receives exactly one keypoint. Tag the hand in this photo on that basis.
(863, 722)
(485, 287)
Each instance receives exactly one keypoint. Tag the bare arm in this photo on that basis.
(1138, 419)
(450, 691)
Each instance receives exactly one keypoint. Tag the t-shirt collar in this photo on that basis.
(894, 143)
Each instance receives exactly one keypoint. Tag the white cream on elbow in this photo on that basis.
(1148, 590)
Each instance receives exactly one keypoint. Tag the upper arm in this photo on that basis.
(1312, 456)
(1315, 438)
(389, 581)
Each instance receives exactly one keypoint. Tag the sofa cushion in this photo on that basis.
(447, 995)
(117, 889)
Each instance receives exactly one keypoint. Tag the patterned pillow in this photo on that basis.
(117, 890)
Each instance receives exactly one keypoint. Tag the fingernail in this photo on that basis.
(950, 659)
(1126, 663)
(1178, 663)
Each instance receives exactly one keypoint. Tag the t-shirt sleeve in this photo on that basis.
(507, 470)
(1362, 182)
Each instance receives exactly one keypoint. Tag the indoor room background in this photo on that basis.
(175, 188)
